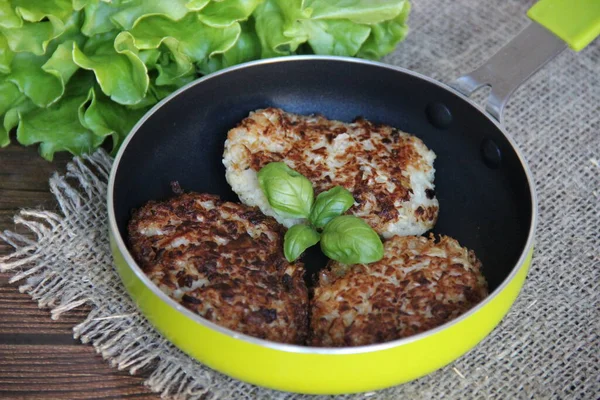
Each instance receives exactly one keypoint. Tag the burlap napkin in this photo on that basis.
(547, 347)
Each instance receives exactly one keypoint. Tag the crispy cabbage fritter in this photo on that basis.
(390, 173)
(223, 261)
(418, 285)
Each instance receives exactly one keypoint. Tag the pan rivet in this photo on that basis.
(438, 115)
(492, 157)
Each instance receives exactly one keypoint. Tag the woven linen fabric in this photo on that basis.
(548, 345)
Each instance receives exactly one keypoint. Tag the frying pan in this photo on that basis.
(484, 187)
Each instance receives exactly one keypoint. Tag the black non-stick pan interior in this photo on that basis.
(485, 201)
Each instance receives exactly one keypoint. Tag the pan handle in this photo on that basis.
(555, 24)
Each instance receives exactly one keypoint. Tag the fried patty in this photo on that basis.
(418, 285)
(390, 173)
(223, 261)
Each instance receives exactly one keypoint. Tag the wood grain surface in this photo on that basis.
(39, 359)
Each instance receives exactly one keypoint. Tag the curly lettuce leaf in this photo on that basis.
(160, 92)
(196, 40)
(106, 118)
(133, 11)
(61, 63)
(330, 27)
(182, 45)
(38, 85)
(42, 78)
(79, 5)
(20, 106)
(357, 11)
(247, 48)
(196, 5)
(118, 69)
(6, 56)
(275, 20)
(8, 17)
(226, 12)
(174, 67)
(58, 128)
(11, 96)
(97, 17)
(36, 10)
(14, 115)
(108, 61)
(386, 36)
(4, 137)
(55, 25)
(149, 57)
(34, 37)
(103, 16)
(336, 37)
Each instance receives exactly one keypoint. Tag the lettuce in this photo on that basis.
(76, 72)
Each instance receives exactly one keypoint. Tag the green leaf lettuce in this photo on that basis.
(75, 72)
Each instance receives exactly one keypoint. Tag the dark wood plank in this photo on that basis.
(24, 184)
(21, 168)
(39, 359)
(62, 372)
(19, 315)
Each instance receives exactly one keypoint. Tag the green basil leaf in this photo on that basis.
(350, 240)
(330, 204)
(297, 239)
(288, 192)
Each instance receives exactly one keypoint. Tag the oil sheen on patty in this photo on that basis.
(390, 173)
(223, 261)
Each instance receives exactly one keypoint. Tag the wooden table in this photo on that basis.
(39, 359)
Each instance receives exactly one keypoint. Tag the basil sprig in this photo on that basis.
(344, 238)
(350, 240)
(297, 239)
(289, 193)
(330, 204)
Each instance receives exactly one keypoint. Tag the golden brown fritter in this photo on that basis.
(390, 173)
(417, 286)
(223, 261)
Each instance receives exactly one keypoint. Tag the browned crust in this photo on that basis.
(301, 137)
(233, 254)
(417, 286)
